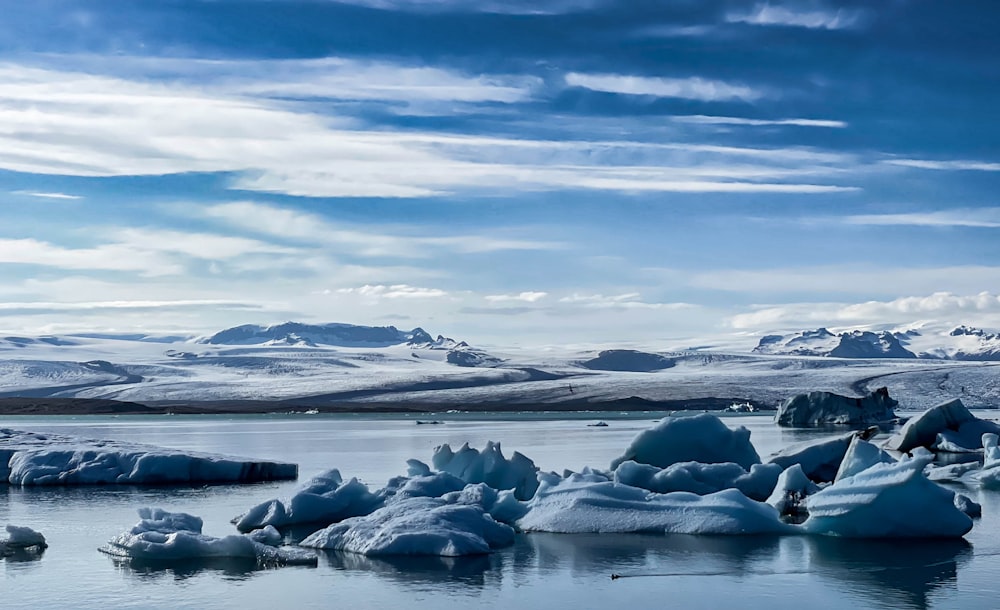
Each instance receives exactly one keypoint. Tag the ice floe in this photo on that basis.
(886, 501)
(816, 408)
(28, 458)
(820, 459)
(699, 478)
(164, 536)
(322, 500)
(489, 466)
(948, 427)
(21, 539)
(416, 526)
(586, 504)
(700, 438)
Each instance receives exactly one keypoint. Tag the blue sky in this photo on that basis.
(571, 171)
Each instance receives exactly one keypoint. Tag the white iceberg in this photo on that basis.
(490, 467)
(817, 408)
(701, 438)
(791, 490)
(28, 458)
(948, 427)
(699, 478)
(321, 500)
(887, 501)
(586, 504)
(416, 526)
(820, 460)
(860, 456)
(164, 536)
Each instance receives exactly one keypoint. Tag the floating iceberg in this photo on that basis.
(887, 501)
(28, 458)
(164, 536)
(820, 460)
(322, 500)
(791, 490)
(816, 408)
(584, 503)
(948, 427)
(701, 438)
(416, 526)
(21, 539)
(699, 478)
(490, 467)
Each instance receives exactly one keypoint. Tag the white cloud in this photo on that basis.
(963, 217)
(395, 291)
(954, 309)
(693, 88)
(768, 14)
(525, 297)
(850, 280)
(628, 300)
(702, 119)
(42, 306)
(73, 123)
(46, 195)
(300, 226)
(952, 165)
(107, 257)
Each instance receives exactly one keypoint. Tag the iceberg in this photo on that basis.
(887, 501)
(791, 491)
(699, 478)
(322, 500)
(21, 539)
(817, 408)
(584, 503)
(860, 456)
(700, 438)
(416, 526)
(164, 537)
(948, 427)
(820, 460)
(489, 466)
(28, 458)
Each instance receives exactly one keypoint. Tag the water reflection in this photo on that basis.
(890, 573)
(473, 571)
(232, 568)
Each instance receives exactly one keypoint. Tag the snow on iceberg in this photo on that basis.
(28, 458)
(820, 459)
(816, 408)
(322, 499)
(416, 526)
(790, 492)
(584, 503)
(701, 438)
(164, 536)
(860, 456)
(490, 467)
(948, 427)
(887, 501)
(699, 478)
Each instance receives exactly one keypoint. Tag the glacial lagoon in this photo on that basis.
(539, 570)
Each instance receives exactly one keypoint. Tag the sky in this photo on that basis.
(508, 172)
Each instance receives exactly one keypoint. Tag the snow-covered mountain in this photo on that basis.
(961, 343)
(334, 334)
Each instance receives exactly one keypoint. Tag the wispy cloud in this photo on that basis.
(902, 310)
(628, 300)
(963, 217)
(57, 122)
(45, 307)
(395, 291)
(949, 165)
(289, 224)
(702, 119)
(46, 195)
(693, 88)
(526, 297)
(778, 15)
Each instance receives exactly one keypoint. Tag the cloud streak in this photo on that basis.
(693, 88)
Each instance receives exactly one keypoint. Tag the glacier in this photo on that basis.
(29, 458)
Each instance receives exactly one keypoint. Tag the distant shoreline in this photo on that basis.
(89, 406)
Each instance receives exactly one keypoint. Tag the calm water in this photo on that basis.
(541, 570)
